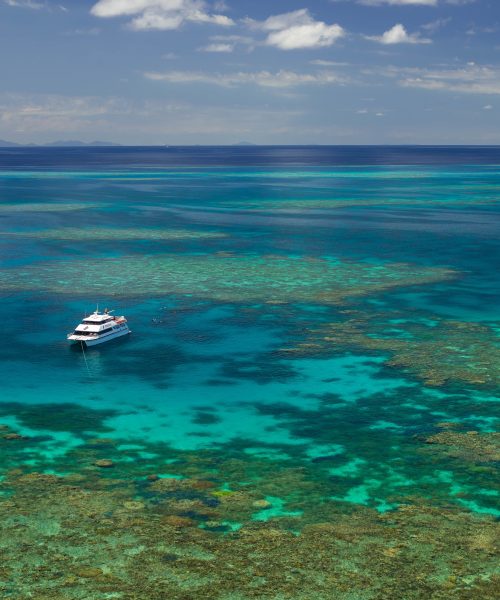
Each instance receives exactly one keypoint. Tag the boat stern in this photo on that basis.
(76, 339)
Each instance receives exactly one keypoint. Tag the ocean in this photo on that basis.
(307, 405)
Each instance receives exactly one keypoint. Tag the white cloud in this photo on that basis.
(280, 79)
(159, 14)
(314, 35)
(34, 5)
(218, 42)
(218, 48)
(25, 4)
(470, 79)
(232, 39)
(328, 63)
(412, 2)
(399, 2)
(90, 31)
(55, 113)
(297, 29)
(474, 30)
(285, 20)
(487, 107)
(436, 25)
(399, 35)
(42, 118)
(365, 111)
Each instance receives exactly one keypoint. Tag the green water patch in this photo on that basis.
(380, 469)
(357, 429)
(352, 468)
(44, 436)
(117, 233)
(382, 462)
(251, 278)
(275, 508)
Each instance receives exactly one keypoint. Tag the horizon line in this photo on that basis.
(50, 145)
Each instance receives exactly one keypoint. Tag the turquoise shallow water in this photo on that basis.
(307, 406)
(299, 307)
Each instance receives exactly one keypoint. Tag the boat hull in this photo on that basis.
(101, 340)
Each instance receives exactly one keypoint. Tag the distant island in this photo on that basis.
(80, 144)
(58, 143)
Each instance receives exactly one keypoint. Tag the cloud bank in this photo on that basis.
(399, 2)
(280, 79)
(471, 79)
(159, 14)
(298, 29)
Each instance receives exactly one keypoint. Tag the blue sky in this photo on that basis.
(219, 72)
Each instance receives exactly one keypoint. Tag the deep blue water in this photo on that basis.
(233, 264)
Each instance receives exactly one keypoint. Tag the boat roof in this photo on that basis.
(97, 316)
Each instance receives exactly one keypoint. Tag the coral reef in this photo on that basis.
(219, 277)
(470, 446)
(46, 207)
(63, 540)
(273, 205)
(117, 233)
(436, 352)
(195, 459)
(103, 519)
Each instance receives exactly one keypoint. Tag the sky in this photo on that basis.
(265, 72)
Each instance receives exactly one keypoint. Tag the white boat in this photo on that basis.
(98, 328)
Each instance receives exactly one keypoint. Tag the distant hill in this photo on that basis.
(245, 144)
(6, 144)
(58, 143)
(77, 143)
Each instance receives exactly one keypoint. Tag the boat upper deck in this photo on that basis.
(98, 323)
(98, 318)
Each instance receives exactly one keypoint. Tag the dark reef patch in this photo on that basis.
(261, 369)
(58, 417)
(205, 418)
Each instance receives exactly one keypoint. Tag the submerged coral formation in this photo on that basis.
(196, 459)
(117, 233)
(436, 351)
(221, 277)
(471, 446)
(46, 207)
(97, 534)
(290, 205)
